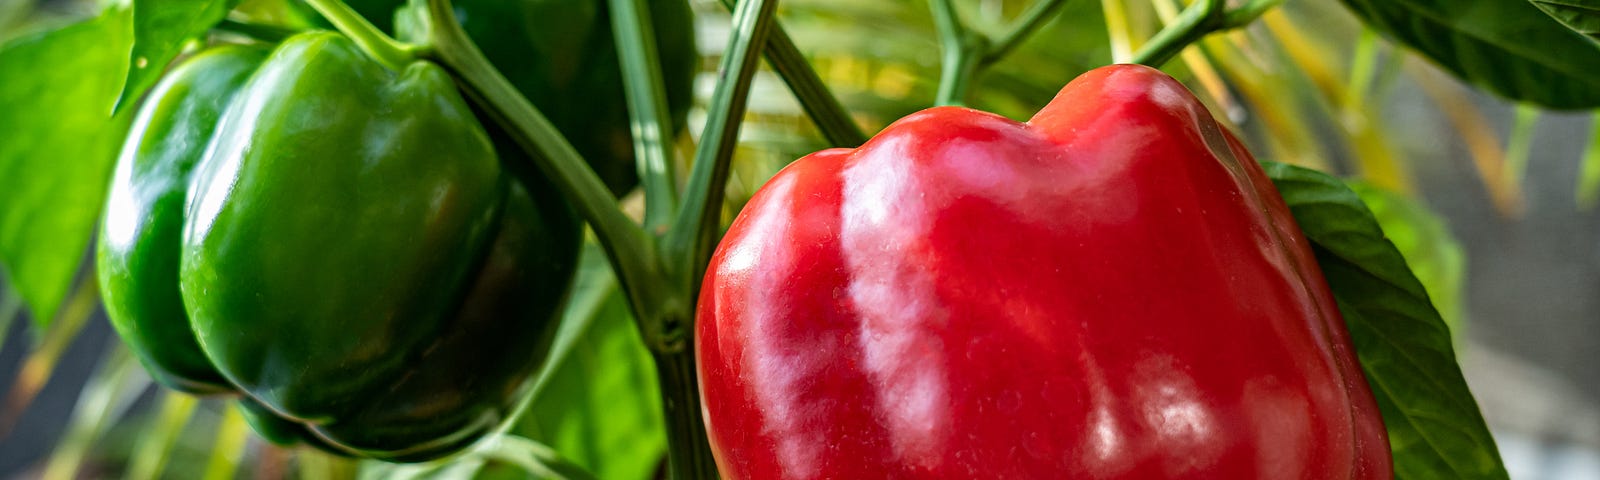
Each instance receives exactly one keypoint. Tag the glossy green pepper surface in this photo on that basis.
(561, 54)
(137, 257)
(354, 258)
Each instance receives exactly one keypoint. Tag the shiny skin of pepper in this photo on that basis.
(139, 243)
(347, 252)
(1112, 289)
(562, 55)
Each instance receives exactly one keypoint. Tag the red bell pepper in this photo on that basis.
(1113, 289)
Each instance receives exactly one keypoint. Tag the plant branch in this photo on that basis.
(624, 242)
(1247, 13)
(1026, 24)
(1117, 28)
(688, 448)
(819, 103)
(963, 51)
(1589, 176)
(380, 46)
(647, 108)
(1200, 19)
(1197, 21)
(693, 235)
(1519, 144)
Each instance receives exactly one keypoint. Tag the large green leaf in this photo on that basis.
(160, 27)
(1582, 16)
(1432, 252)
(1435, 427)
(1508, 47)
(598, 404)
(58, 142)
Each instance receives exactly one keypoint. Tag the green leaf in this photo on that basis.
(1508, 47)
(1582, 16)
(160, 27)
(57, 149)
(598, 403)
(1435, 427)
(1433, 253)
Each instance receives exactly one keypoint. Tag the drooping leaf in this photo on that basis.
(1435, 427)
(1508, 47)
(599, 404)
(1582, 16)
(58, 142)
(160, 27)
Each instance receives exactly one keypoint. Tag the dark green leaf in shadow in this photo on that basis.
(58, 142)
(1435, 427)
(1582, 16)
(160, 27)
(1505, 46)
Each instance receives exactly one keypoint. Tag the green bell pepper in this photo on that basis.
(137, 257)
(353, 257)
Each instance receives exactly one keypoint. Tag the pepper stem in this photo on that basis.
(1200, 19)
(630, 251)
(388, 51)
(968, 53)
(688, 448)
(647, 109)
(819, 103)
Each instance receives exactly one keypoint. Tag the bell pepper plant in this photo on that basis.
(364, 225)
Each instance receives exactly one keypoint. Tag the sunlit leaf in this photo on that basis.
(57, 145)
(159, 28)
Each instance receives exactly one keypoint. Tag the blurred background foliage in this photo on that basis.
(1491, 202)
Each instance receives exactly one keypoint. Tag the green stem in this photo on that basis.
(1247, 13)
(155, 446)
(630, 250)
(819, 103)
(963, 52)
(647, 107)
(318, 465)
(1200, 19)
(1362, 66)
(1589, 179)
(265, 33)
(1520, 143)
(228, 446)
(380, 46)
(1194, 23)
(1120, 36)
(688, 448)
(1026, 24)
(693, 236)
